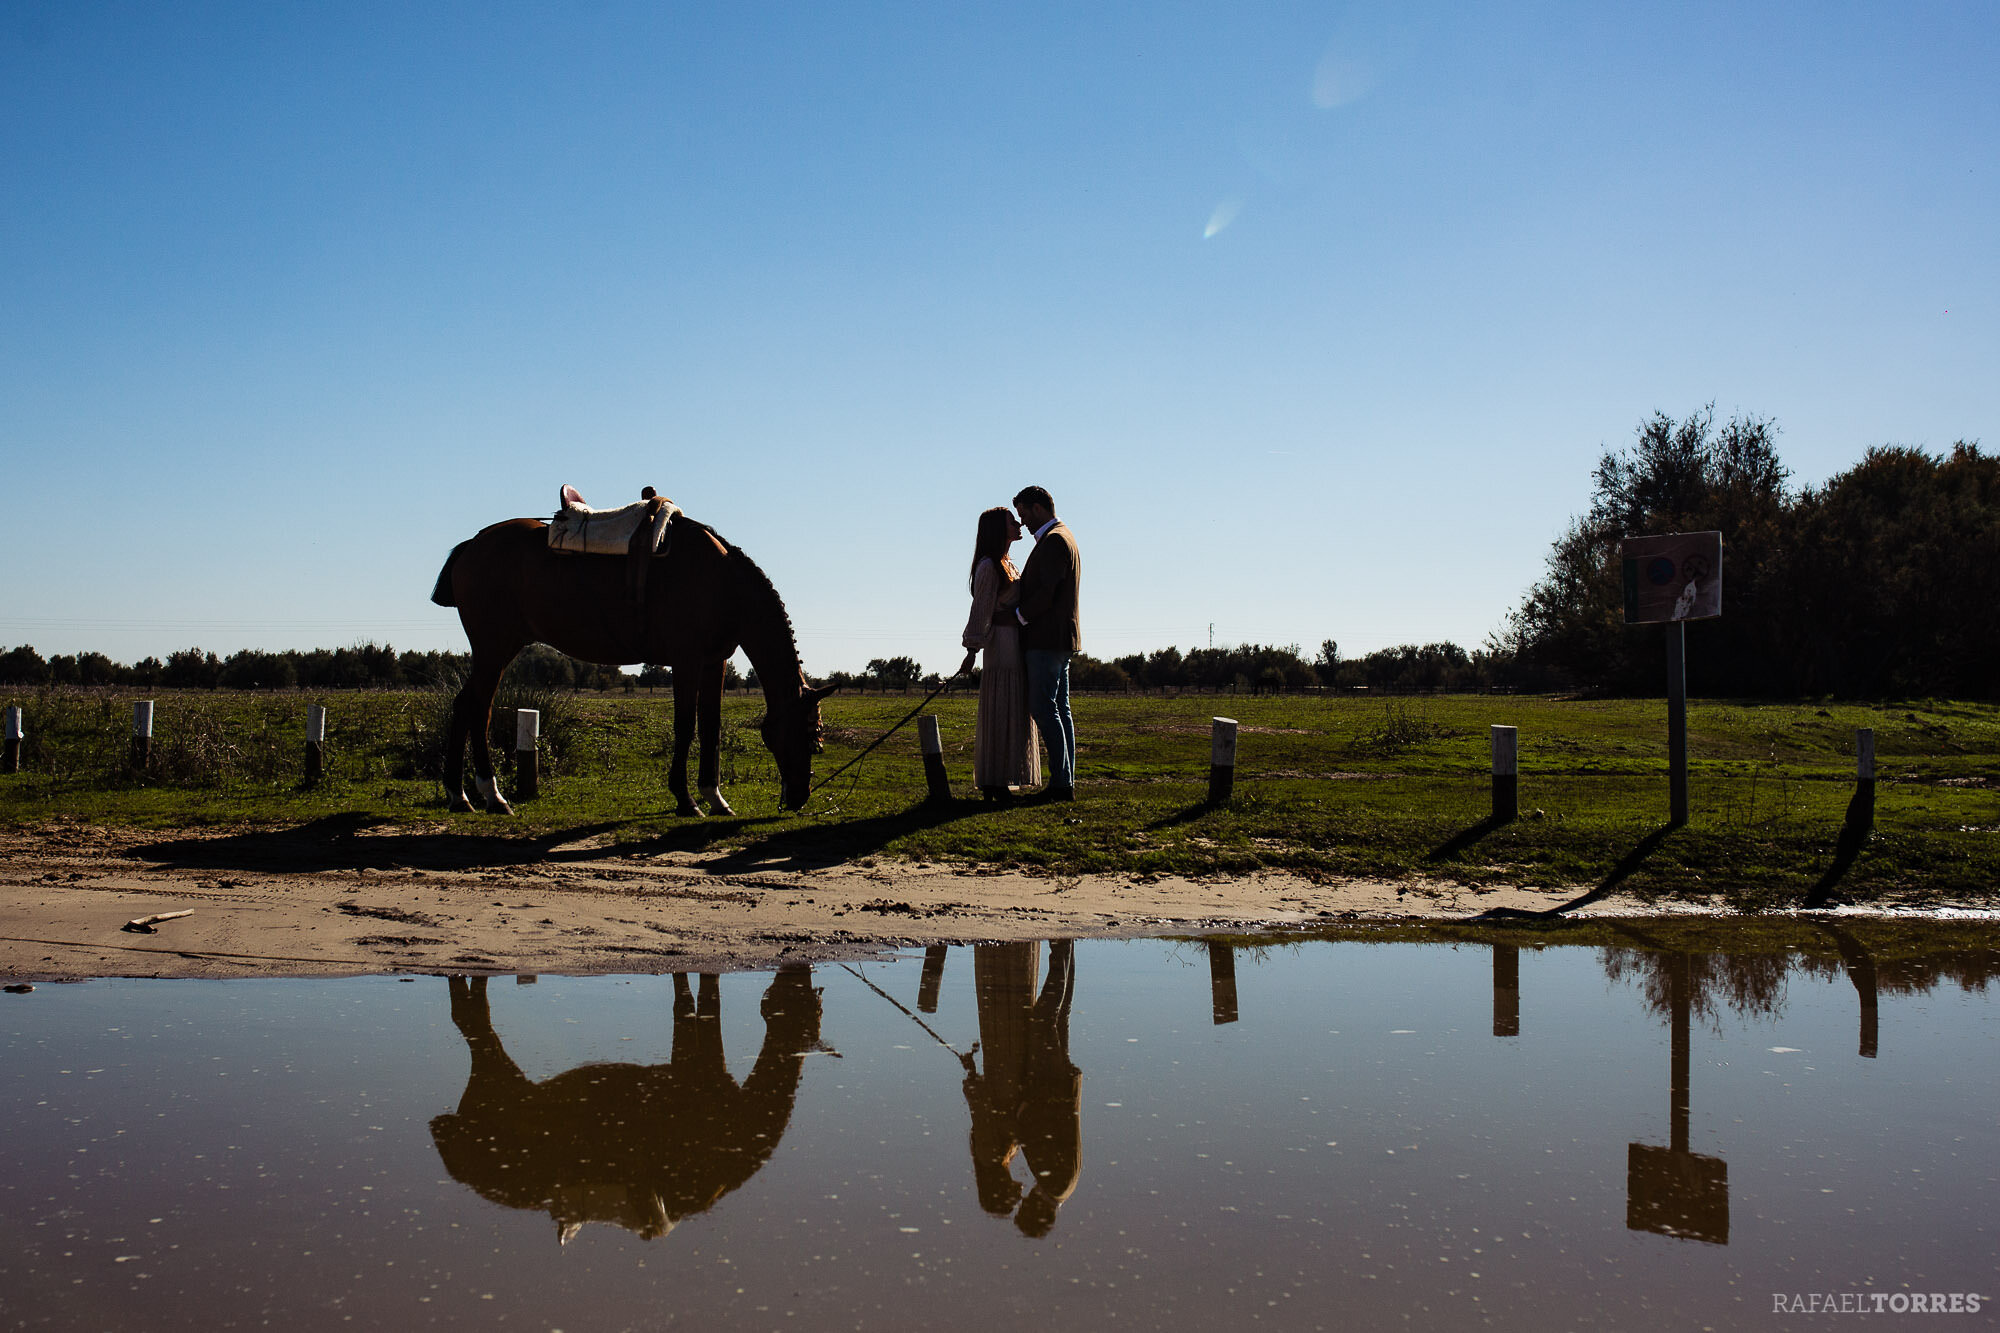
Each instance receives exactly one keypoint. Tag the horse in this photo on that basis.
(702, 601)
(637, 1146)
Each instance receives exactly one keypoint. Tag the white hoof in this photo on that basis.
(489, 794)
(713, 795)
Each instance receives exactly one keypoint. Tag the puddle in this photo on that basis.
(1625, 1127)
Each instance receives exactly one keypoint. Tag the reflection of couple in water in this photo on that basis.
(1029, 1097)
(1027, 625)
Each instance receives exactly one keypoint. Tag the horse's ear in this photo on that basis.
(814, 693)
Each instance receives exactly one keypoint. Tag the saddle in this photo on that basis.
(637, 531)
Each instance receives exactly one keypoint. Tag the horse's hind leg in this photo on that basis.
(711, 739)
(475, 705)
(454, 751)
(687, 681)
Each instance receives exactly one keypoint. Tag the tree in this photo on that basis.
(894, 673)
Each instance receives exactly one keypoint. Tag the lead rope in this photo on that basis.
(884, 736)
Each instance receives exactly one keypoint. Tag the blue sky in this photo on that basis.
(1314, 318)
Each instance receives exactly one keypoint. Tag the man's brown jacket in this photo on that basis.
(1049, 585)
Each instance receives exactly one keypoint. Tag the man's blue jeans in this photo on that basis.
(1048, 704)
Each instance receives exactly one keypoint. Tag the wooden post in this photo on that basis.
(1506, 774)
(315, 743)
(1222, 982)
(1677, 721)
(1506, 990)
(1864, 776)
(142, 732)
(527, 763)
(1221, 759)
(933, 747)
(10, 758)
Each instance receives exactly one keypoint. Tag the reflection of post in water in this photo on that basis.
(1506, 990)
(933, 977)
(1671, 1190)
(1860, 965)
(1222, 982)
(641, 1146)
(1028, 1096)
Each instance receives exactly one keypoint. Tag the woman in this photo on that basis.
(1004, 752)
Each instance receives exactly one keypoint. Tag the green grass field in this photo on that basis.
(1326, 786)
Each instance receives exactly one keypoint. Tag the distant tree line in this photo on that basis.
(366, 666)
(1882, 582)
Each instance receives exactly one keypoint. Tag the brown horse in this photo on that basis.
(702, 601)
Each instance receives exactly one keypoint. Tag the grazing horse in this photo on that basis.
(702, 601)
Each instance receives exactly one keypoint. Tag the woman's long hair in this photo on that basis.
(991, 544)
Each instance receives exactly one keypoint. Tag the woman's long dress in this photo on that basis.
(1004, 752)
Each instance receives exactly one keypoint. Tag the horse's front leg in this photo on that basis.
(686, 684)
(711, 740)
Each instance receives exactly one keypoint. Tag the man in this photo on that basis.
(1045, 603)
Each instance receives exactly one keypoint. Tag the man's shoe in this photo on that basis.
(1059, 793)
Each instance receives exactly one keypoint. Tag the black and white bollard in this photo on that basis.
(10, 758)
(935, 780)
(1506, 775)
(142, 732)
(1864, 777)
(527, 762)
(315, 743)
(1221, 759)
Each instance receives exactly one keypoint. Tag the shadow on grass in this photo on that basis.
(350, 841)
(1854, 831)
(812, 846)
(1187, 816)
(1621, 872)
(1465, 838)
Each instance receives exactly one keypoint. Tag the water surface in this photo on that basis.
(1634, 1128)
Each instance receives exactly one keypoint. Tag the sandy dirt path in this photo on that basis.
(399, 899)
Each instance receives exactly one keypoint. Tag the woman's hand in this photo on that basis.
(966, 666)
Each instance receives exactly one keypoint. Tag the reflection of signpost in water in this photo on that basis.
(1671, 580)
(1670, 1190)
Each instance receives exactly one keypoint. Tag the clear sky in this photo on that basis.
(1313, 317)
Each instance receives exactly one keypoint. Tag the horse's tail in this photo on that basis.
(442, 593)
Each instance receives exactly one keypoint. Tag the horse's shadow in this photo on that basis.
(812, 846)
(353, 841)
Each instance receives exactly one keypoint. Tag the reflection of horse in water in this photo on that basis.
(639, 1145)
(1029, 1097)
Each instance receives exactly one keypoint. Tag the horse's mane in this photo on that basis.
(759, 584)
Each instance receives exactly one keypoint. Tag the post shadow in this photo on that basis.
(1466, 838)
(1627, 864)
(1854, 831)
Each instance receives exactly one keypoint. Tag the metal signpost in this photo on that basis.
(1671, 580)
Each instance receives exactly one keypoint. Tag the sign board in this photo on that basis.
(1674, 577)
(1676, 1193)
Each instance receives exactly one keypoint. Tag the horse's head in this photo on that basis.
(793, 734)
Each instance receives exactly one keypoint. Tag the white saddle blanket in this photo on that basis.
(587, 531)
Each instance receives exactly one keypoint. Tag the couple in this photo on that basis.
(1027, 625)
